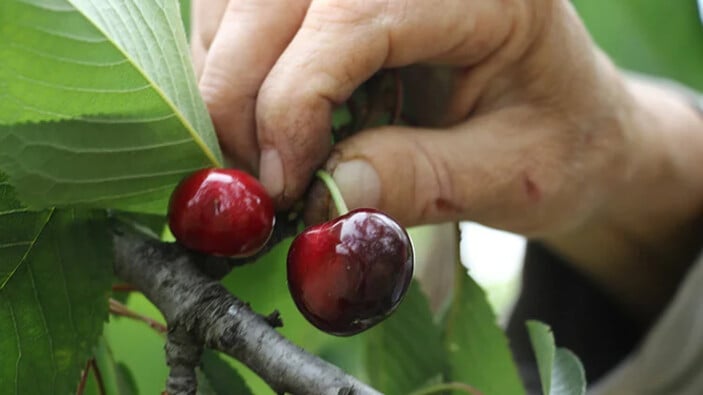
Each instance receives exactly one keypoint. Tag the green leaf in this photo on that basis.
(478, 349)
(99, 103)
(568, 376)
(560, 371)
(125, 380)
(219, 378)
(116, 377)
(542, 341)
(19, 230)
(405, 352)
(55, 275)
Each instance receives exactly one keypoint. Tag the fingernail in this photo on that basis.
(271, 172)
(359, 183)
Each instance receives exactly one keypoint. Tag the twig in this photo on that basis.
(84, 379)
(91, 364)
(274, 319)
(98, 376)
(119, 309)
(123, 288)
(200, 312)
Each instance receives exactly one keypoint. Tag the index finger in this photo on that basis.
(340, 44)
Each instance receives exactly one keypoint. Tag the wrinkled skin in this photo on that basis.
(527, 126)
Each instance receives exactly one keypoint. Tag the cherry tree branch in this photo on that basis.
(201, 313)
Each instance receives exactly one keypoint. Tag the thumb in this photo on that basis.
(507, 169)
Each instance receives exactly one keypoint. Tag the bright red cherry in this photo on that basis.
(349, 274)
(221, 212)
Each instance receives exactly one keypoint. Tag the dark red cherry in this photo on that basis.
(349, 274)
(221, 212)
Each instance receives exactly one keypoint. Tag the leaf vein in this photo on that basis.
(14, 211)
(16, 244)
(19, 346)
(128, 120)
(44, 6)
(77, 150)
(184, 66)
(61, 264)
(196, 137)
(37, 110)
(120, 195)
(80, 88)
(132, 176)
(64, 35)
(12, 272)
(42, 313)
(65, 59)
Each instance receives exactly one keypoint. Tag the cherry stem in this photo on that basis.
(433, 389)
(334, 191)
(121, 310)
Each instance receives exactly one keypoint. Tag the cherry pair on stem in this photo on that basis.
(345, 275)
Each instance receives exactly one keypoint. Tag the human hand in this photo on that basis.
(521, 110)
(539, 133)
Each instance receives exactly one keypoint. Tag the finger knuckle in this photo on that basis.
(239, 7)
(435, 187)
(217, 90)
(275, 121)
(325, 14)
(206, 19)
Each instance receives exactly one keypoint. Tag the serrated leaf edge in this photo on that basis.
(196, 137)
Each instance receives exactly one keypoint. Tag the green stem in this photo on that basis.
(334, 191)
(433, 389)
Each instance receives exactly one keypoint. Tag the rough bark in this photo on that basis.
(201, 313)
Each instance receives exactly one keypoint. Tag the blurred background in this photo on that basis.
(663, 38)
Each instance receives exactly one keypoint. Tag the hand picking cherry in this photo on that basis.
(221, 212)
(350, 273)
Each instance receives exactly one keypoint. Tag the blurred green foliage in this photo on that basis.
(185, 12)
(651, 36)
